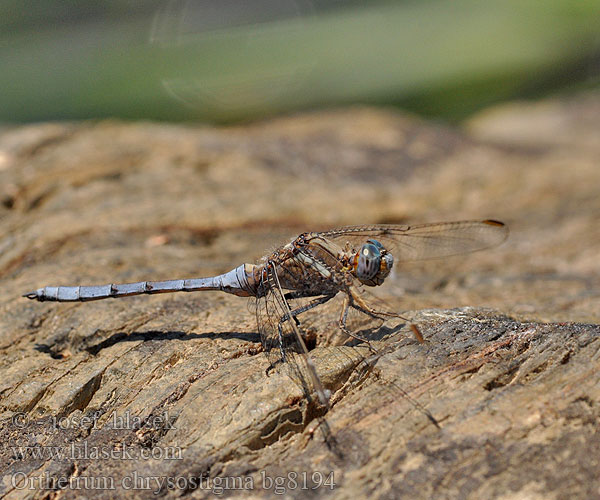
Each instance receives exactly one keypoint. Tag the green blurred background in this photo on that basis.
(225, 61)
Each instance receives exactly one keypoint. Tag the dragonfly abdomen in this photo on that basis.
(237, 281)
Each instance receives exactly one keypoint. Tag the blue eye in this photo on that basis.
(376, 243)
(369, 260)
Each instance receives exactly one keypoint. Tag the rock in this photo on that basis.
(169, 393)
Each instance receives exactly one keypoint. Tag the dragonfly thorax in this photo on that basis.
(372, 263)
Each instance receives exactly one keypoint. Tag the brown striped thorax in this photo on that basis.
(313, 262)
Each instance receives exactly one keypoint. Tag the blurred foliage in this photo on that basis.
(222, 62)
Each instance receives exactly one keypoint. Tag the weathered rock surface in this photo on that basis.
(502, 401)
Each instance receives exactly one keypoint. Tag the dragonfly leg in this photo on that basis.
(307, 307)
(272, 366)
(280, 334)
(362, 306)
(294, 313)
(348, 302)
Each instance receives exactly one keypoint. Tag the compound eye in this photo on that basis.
(376, 243)
(369, 260)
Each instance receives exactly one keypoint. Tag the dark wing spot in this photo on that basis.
(492, 222)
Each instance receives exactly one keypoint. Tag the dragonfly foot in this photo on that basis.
(270, 368)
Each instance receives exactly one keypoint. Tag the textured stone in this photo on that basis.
(500, 402)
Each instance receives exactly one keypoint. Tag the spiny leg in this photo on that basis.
(280, 335)
(272, 366)
(306, 307)
(294, 313)
(361, 305)
(348, 302)
(306, 365)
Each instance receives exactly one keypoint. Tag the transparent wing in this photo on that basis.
(282, 337)
(267, 318)
(425, 241)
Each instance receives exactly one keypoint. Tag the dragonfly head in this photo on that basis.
(373, 263)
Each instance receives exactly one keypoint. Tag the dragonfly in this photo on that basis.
(308, 272)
